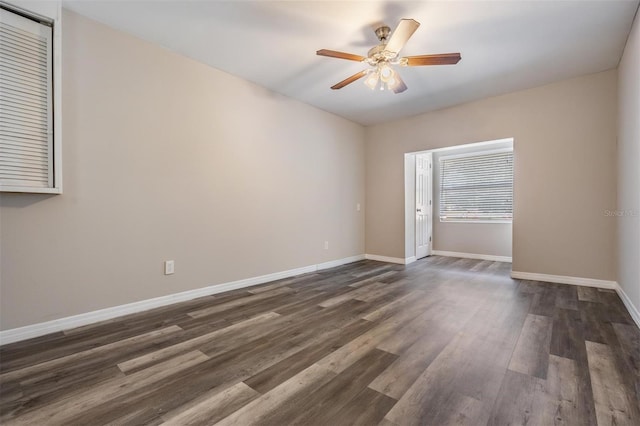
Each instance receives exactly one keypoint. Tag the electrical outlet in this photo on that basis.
(358, 207)
(326, 245)
(169, 267)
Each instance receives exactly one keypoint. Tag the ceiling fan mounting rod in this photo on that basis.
(383, 33)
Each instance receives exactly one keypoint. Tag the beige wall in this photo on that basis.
(629, 168)
(565, 155)
(166, 158)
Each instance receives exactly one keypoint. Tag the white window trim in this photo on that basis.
(49, 11)
(475, 154)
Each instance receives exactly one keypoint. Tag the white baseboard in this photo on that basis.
(339, 262)
(409, 260)
(388, 259)
(472, 256)
(563, 279)
(633, 311)
(61, 324)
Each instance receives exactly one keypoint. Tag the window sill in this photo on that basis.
(26, 190)
(475, 221)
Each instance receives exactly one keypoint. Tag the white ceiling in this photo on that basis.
(505, 45)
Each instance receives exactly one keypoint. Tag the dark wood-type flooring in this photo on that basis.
(441, 341)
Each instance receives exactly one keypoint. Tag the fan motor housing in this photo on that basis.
(379, 53)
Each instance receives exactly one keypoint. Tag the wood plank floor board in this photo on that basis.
(320, 405)
(214, 408)
(629, 353)
(187, 345)
(60, 387)
(284, 328)
(362, 282)
(63, 346)
(392, 289)
(367, 408)
(303, 305)
(588, 294)
(629, 338)
(268, 404)
(284, 342)
(620, 352)
(612, 401)
(311, 277)
(445, 317)
(568, 341)
(567, 335)
(531, 354)
(596, 322)
(343, 357)
(472, 366)
(286, 318)
(64, 410)
(615, 310)
(99, 351)
(369, 288)
(389, 309)
(440, 341)
(566, 297)
(560, 395)
(241, 302)
(516, 403)
(530, 287)
(439, 386)
(544, 302)
(480, 266)
(526, 399)
(270, 377)
(400, 375)
(143, 416)
(375, 270)
(219, 371)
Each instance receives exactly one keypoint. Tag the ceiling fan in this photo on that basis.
(381, 58)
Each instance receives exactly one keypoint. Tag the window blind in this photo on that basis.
(477, 187)
(26, 116)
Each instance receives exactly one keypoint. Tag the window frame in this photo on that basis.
(51, 13)
(473, 154)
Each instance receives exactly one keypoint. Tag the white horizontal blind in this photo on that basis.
(477, 187)
(26, 116)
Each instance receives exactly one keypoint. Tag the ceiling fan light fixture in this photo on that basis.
(392, 82)
(372, 80)
(383, 77)
(385, 71)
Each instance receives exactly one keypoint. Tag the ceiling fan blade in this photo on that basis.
(400, 86)
(340, 55)
(439, 59)
(356, 76)
(401, 34)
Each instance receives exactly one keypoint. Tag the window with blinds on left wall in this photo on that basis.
(27, 146)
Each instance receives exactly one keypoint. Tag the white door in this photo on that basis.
(423, 205)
